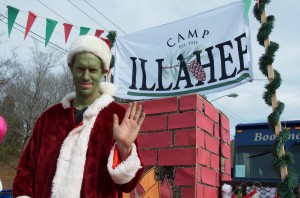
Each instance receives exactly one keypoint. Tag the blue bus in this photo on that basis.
(253, 147)
(6, 194)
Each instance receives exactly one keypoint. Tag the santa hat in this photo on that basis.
(89, 43)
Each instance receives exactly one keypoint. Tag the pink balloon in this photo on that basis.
(3, 129)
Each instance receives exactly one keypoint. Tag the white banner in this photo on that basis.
(206, 53)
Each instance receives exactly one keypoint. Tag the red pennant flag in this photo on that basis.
(68, 28)
(98, 33)
(30, 21)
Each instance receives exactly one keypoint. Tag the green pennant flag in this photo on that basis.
(12, 15)
(50, 25)
(247, 6)
(84, 30)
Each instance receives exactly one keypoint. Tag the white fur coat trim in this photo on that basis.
(127, 169)
(70, 165)
(23, 196)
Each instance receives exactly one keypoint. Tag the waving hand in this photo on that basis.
(126, 132)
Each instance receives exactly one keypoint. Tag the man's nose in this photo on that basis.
(86, 74)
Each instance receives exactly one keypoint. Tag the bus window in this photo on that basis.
(253, 162)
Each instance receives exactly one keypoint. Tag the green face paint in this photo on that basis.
(87, 74)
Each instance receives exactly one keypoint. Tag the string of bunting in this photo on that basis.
(50, 25)
(289, 183)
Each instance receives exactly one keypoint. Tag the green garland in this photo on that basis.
(287, 186)
(112, 38)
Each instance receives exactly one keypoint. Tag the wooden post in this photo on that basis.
(283, 170)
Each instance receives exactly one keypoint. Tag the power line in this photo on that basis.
(55, 12)
(59, 48)
(86, 14)
(104, 16)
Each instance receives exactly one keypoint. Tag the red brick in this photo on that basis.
(225, 135)
(155, 140)
(185, 176)
(161, 105)
(200, 190)
(210, 192)
(177, 157)
(224, 122)
(217, 131)
(148, 157)
(191, 102)
(227, 166)
(203, 122)
(182, 120)
(215, 161)
(202, 156)
(185, 137)
(226, 177)
(188, 192)
(225, 148)
(154, 123)
(212, 144)
(211, 111)
(218, 179)
(200, 138)
(208, 176)
(229, 140)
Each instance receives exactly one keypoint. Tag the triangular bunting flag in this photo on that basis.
(84, 30)
(50, 26)
(30, 21)
(98, 33)
(68, 28)
(12, 15)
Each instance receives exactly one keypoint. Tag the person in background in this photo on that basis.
(86, 145)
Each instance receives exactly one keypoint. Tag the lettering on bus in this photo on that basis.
(260, 137)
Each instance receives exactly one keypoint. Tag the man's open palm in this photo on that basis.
(126, 132)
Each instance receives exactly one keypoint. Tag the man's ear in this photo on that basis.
(70, 66)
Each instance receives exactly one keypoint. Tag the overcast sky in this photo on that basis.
(128, 16)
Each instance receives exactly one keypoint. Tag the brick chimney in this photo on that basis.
(187, 140)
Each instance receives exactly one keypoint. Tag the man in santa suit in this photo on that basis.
(86, 145)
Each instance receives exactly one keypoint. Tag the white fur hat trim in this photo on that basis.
(108, 88)
(93, 44)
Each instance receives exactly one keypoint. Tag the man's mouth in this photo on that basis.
(86, 85)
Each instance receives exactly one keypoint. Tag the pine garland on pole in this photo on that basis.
(112, 38)
(283, 160)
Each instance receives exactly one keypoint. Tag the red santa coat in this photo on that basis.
(62, 160)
